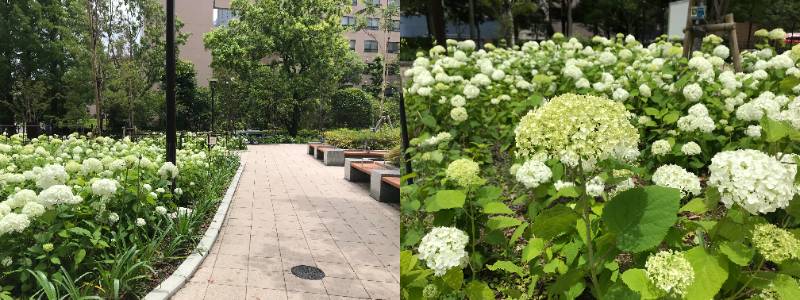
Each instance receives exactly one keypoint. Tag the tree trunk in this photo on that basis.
(91, 10)
(473, 32)
(436, 11)
(510, 17)
(569, 18)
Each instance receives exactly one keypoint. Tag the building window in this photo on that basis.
(395, 25)
(370, 46)
(373, 23)
(224, 16)
(352, 44)
(393, 47)
(348, 21)
(375, 2)
(355, 2)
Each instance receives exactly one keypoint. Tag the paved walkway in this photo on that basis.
(288, 210)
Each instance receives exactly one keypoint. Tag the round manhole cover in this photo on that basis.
(308, 272)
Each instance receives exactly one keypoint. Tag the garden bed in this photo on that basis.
(608, 170)
(88, 216)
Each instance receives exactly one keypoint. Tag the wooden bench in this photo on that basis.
(312, 147)
(336, 156)
(384, 181)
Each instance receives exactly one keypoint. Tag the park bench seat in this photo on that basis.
(384, 181)
(312, 147)
(392, 180)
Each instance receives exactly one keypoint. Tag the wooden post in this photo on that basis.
(737, 59)
(688, 33)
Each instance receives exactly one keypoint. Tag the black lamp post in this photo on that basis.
(212, 83)
(404, 135)
(170, 88)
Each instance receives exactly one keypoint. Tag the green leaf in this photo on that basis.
(710, 272)
(737, 252)
(641, 217)
(532, 250)
(505, 266)
(671, 117)
(500, 222)
(55, 260)
(497, 208)
(445, 199)
(774, 130)
(407, 261)
(636, 280)
(454, 278)
(651, 111)
(79, 255)
(786, 287)
(697, 205)
(428, 120)
(478, 290)
(517, 233)
(554, 221)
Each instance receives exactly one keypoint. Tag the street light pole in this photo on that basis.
(213, 84)
(170, 88)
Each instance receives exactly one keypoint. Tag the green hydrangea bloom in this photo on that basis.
(670, 272)
(464, 172)
(774, 243)
(587, 127)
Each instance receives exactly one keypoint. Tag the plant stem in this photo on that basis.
(590, 250)
(760, 265)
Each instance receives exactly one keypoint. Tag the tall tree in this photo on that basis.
(297, 44)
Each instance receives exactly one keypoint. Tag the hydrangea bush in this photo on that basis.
(606, 169)
(84, 216)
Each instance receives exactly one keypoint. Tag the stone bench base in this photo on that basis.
(382, 191)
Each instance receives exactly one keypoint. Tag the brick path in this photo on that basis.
(290, 209)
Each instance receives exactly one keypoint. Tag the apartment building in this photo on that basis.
(201, 16)
(373, 40)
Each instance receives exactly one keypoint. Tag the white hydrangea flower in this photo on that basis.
(51, 175)
(559, 185)
(161, 210)
(533, 173)
(459, 114)
(753, 131)
(676, 177)
(691, 148)
(692, 92)
(19, 198)
(57, 194)
(670, 272)
(595, 187)
(644, 90)
(661, 147)
(721, 51)
(104, 187)
(33, 209)
(697, 120)
(91, 166)
(458, 101)
(140, 222)
(113, 217)
(620, 94)
(753, 180)
(443, 249)
(465, 172)
(13, 222)
(168, 171)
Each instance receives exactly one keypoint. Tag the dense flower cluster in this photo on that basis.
(533, 173)
(670, 272)
(579, 128)
(464, 172)
(443, 249)
(775, 244)
(678, 178)
(753, 180)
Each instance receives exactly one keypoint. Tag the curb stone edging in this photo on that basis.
(174, 282)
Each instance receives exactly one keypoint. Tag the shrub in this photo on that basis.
(351, 107)
(356, 139)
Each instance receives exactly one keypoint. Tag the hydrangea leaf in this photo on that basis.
(532, 250)
(737, 253)
(710, 272)
(774, 130)
(696, 205)
(479, 290)
(445, 199)
(641, 217)
(554, 221)
(454, 278)
(786, 286)
(497, 208)
(636, 280)
(501, 222)
(506, 266)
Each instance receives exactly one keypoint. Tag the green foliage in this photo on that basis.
(385, 138)
(352, 108)
(641, 217)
